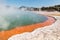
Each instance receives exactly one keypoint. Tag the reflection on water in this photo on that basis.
(20, 19)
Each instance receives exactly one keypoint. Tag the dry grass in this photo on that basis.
(57, 14)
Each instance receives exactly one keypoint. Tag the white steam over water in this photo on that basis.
(4, 11)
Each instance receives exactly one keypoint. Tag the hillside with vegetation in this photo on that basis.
(51, 8)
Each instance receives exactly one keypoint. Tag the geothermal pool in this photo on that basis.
(12, 20)
(19, 22)
(51, 32)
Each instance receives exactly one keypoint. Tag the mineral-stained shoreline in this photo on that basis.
(51, 32)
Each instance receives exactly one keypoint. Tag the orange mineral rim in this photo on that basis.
(4, 35)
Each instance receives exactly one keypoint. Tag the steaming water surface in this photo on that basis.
(20, 18)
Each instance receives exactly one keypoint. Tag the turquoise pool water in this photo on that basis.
(13, 20)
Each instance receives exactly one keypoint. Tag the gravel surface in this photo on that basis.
(51, 32)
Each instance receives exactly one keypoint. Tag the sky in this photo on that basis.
(30, 3)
